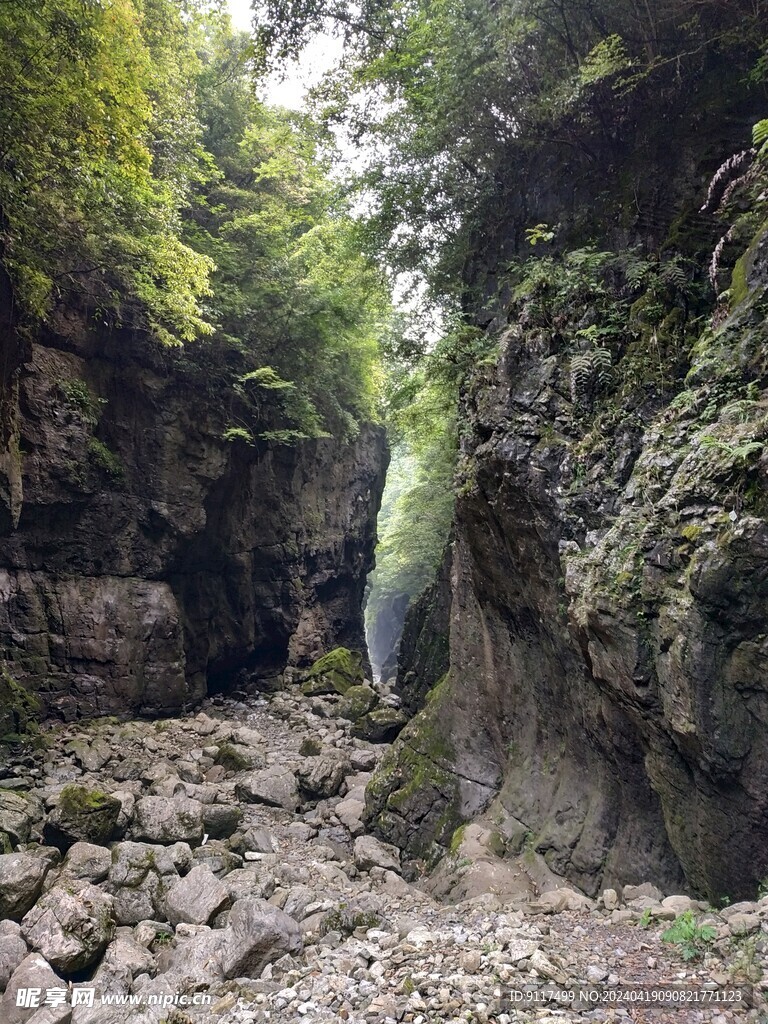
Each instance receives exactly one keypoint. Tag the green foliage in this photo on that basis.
(81, 399)
(296, 305)
(760, 138)
(738, 454)
(87, 203)
(141, 180)
(104, 459)
(238, 434)
(691, 938)
(417, 507)
(451, 97)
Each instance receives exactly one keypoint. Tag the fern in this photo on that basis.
(266, 377)
(237, 434)
(760, 137)
(590, 371)
(737, 453)
(673, 274)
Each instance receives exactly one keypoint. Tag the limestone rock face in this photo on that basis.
(143, 557)
(606, 703)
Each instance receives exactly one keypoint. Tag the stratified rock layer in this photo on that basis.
(142, 556)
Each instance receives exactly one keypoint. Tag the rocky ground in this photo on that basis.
(219, 860)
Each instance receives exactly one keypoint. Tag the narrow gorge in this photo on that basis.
(383, 518)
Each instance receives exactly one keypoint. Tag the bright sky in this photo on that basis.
(288, 90)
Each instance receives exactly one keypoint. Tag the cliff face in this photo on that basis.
(143, 558)
(606, 706)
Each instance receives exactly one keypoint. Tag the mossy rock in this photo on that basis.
(380, 726)
(310, 747)
(232, 759)
(335, 672)
(358, 701)
(19, 710)
(81, 815)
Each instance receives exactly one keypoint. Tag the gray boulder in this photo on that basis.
(258, 934)
(162, 820)
(34, 972)
(273, 786)
(81, 815)
(70, 929)
(380, 726)
(21, 882)
(218, 857)
(322, 777)
(197, 898)
(249, 883)
(139, 878)
(13, 949)
(87, 861)
(370, 853)
(16, 817)
(220, 821)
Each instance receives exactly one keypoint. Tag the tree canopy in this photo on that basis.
(141, 180)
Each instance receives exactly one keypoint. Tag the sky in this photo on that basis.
(288, 89)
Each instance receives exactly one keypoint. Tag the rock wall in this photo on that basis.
(144, 559)
(606, 707)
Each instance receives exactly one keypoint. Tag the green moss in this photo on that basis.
(310, 747)
(336, 672)
(457, 839)
(692, 532)
(739, 289)
(79, 800)
(104, 458)
(232, 759)
(358, 701)
(19, 710)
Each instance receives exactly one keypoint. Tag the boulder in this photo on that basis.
(258, 934)
(322, 777)
(380, 726)
(91, 755)
(274, 786)
(13, 949)
(358, 701)
(16, 817)
(34, 972)
(81, 815)
(643, 891)
(88, 862)
(350, 814)
(218, 857)
(139, 878)
(335, 672)
(70, 929)
(257, 840)
(249, 883)
(21, 882)
(220, 821)
(197, 898)
(370, 853)
(558, 900)
(161, 819)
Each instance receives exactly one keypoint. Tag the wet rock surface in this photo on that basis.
(299, 914)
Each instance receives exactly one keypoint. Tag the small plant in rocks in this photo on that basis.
(690, 938)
